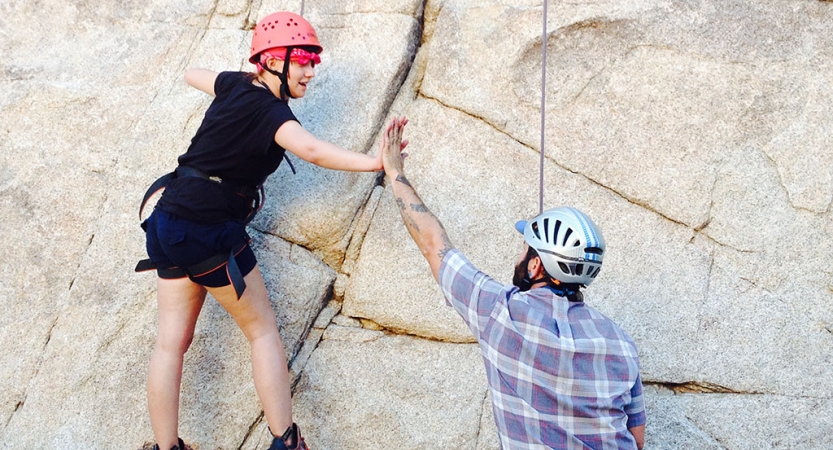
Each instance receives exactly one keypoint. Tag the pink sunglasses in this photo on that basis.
(298, 55)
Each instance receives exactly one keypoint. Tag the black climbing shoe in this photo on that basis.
(179, 446)
(292, 434)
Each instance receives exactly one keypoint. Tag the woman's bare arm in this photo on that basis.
(202, 79)
(300, 142)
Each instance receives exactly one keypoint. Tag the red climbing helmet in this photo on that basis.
(283, 29)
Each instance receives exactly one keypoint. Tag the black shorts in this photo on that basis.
(176, 246)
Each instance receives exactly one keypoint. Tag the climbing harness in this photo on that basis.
(257, 196)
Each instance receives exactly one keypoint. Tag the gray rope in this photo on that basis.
(302, 8)
(543, 109)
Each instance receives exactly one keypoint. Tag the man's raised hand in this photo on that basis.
(392, 146)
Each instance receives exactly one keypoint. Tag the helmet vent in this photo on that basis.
(555, 231)
(594, 250)
(595, 272)
(564, 268)
(546, 230)
(567, 236)
(535, 230)
(579, 269)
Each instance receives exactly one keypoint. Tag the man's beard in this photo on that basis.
(520, 278)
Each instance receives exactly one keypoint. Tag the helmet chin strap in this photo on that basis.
(531, 281)
(570, 294)
(283, 75)
(573, 295)
(526, 284)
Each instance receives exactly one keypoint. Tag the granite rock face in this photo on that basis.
(697, 134)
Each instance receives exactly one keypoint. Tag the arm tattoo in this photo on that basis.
(430, 222)
(409, 222)
(401, 178)
(447, 246)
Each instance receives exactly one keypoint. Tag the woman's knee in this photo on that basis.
(259, 326)
(174, 343)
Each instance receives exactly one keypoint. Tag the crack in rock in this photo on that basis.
(22, 402)
(633, 201)
(699, 387)
(251, 430)
(483, 405)
(725, 245)
(705, 387)
(776, 167)
(705, 293)
(704, 433)
(17, 406)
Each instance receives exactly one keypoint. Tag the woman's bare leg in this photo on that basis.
(180, 301)
(255, 317)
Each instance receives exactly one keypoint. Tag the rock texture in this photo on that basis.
(696, 133)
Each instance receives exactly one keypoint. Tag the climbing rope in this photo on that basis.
(543, 110)
(543, 105)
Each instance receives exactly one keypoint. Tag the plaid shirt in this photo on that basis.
(561, 374)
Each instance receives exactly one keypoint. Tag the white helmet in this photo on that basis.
(570, 245)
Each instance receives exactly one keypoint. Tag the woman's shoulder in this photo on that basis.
(233, 78)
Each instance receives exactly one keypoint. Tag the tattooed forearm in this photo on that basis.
(406, 217)
(401, 178)
(423, 226)
(447, 246)
(409, 223)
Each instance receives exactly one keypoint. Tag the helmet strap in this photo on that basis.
(283, 75)
(573, 295)
(531, 282)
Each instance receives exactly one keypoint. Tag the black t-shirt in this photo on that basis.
(236, 142)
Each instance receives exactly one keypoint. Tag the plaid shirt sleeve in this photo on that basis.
(636, 409)
(472, 293)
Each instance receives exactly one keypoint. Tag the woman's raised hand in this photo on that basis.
(392, 146)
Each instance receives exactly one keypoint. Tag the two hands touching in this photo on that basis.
(391, 147)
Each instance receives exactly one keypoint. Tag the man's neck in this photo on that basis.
(540, 284)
